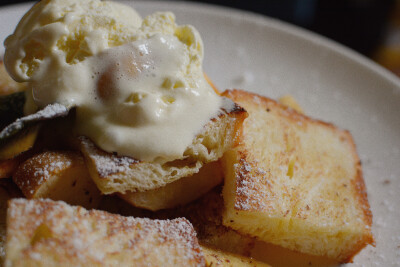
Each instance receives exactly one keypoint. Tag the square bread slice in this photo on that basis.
(295, 182)
(51, 233)
(121, 174)
(205, 214)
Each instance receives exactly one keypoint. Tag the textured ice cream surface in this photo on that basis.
(69, 29)
(138, 85)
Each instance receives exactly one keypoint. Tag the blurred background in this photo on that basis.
(371, 27)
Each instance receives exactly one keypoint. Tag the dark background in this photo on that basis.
(358, 24)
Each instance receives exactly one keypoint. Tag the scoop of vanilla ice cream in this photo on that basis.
(159, 99)
(68, 31)
(137, 85)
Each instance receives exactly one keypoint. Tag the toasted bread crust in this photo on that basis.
(58, 175)
(256, 188)
(363, 203)
(180, 192)
(43, 232)
(206, 216)
(35, 170)
(121, 174)
(295, 117)
(268, 103)
(8, 190)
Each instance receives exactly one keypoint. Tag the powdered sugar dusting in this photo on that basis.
(106, 164)
(2, 241)
(91, 237)
(49, 112)
(40, 168)
(248, 195)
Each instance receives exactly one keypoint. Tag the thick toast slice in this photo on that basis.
(8, 190)
(295, 182)
(121, 174)
(50, 233)
(205, 214)
(58, 175)
(180, 192)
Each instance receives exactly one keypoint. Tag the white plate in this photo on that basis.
(244, 50)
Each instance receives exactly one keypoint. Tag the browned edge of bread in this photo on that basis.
(294, 116)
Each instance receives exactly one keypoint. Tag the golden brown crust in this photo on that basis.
(44, 233)
(8, 190)
(362, 197)
(36, 170)
(269, 103)
(260, 172)
(107, 164)
(205, 214)
(180, 192)
(58, 175)
(120, 174)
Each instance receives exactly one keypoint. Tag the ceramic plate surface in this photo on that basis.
(332, 83)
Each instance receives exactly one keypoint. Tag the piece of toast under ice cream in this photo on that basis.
(179, 192)
(120, 174)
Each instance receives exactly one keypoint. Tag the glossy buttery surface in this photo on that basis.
(331, 83)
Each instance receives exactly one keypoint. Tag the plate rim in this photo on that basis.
(359, 60)
(265, 21)
(282, 26)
